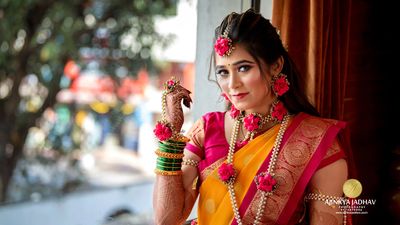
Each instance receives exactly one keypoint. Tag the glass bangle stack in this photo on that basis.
(170, 154)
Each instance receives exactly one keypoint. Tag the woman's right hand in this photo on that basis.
(174, 112)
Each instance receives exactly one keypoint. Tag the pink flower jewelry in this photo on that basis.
(280, 84)
(278, 111)
(223, 45)
(194, 222)
(170, 84)
(162, 131)
(251, 122)
(234, 113)
(265, 182)
(225, 97)
(226, 172)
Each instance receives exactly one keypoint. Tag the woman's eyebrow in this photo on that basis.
(235, 63)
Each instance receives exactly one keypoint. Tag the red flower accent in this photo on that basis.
(225, 97)
(234, 113)
(223, 46)
(251, 122)
(239, 145)
(281, 85)
(170, 83)
(194, 222)
(265, 182)
(226, 172)
(279, 111)
(162, 131)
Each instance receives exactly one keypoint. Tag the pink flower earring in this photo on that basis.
(280, 84)
(226, 97)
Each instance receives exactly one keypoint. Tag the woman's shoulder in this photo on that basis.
(213, 116)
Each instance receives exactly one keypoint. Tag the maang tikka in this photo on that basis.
(223, 45)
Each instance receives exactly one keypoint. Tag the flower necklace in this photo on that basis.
(255, 121)
(265, 180)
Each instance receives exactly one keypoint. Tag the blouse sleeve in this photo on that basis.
(196, 135)
(335, 152)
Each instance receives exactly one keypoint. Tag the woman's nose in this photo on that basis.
(234, 81)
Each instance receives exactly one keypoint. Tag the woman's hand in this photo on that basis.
(174, 112)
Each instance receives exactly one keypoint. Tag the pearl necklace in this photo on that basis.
(271, 166)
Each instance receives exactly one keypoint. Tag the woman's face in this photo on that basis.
(241, 80)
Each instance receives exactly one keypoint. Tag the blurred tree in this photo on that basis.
(38, 37)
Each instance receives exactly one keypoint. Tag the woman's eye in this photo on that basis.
(222, 73)
(244, 68)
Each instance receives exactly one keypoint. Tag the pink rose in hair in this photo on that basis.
(281, 85)
(162, 131)
(222, 45)
(279, 111)
(266, 182)
(226, 172)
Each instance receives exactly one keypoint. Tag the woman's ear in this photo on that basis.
(277, 66)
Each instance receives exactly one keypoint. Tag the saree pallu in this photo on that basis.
(304, 145)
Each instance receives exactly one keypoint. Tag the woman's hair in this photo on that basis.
(260, 38)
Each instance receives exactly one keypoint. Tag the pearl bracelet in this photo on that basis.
(190, 162)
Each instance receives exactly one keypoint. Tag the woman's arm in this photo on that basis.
(174, 196)
(328, 181)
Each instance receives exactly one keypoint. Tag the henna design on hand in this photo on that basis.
(174, 106)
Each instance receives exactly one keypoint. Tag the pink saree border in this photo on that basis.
(315, 160)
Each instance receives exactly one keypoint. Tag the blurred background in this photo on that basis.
(80, 91)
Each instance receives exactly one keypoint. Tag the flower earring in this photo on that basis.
(280, 84)
(226, 97)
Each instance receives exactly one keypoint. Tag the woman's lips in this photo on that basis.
(240, 95)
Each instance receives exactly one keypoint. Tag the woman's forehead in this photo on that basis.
(239, 53)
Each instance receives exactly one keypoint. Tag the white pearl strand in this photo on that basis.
(271, 167)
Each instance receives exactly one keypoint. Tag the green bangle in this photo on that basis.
(172, 165)
(162, 145)
(162, 159)
(175, 143)
(172, 144)
(162, 149)
(165, 168)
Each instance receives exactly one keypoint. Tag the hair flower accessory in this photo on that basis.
(162, 131)
(280, 84)
(226, 172)
(265, 182)
(223, 45)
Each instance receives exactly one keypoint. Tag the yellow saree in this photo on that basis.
(214, 202)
